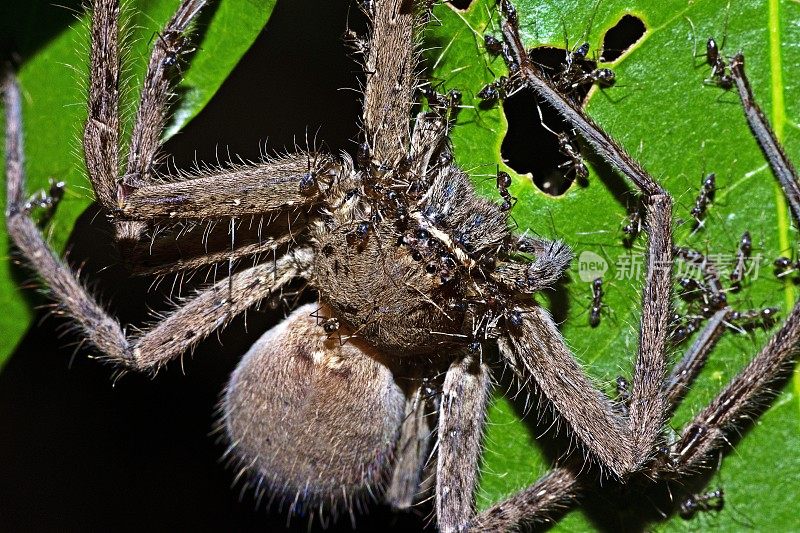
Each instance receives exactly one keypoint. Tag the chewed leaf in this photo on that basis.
(680, 127)
(52, 45)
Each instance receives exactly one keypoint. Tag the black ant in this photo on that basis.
(719, 69)
(704, 197)
(568, 148)
(710, 501)
(784, 266)
(683, 327)
(569, 81)
(497, 47)
(577, 71)
(174, 45)
(633, 225)
(503, 183)
(623, 395)
(443, 104)
(331, 325)
(745, 247)
(499, 89)
(47, 201)
(712, 291)
(753, 317)
(359, 235)
(597, 302)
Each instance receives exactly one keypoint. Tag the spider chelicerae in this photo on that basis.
(417, 277)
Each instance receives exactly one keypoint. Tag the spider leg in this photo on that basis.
(465, 395)
(140, 195)
(102, 131)
(648, 409)
(411, 451)
(538, 351)
(292, 181)
(177, 333)
(151, 114)
(552, 260)
(781, 166)
(736, 403)
(745, 393)
(684, 373)
(391, 79)
(101, 135)
(559, 489)
(174, 253)
(428, 138)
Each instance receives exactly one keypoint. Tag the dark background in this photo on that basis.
(81, 452)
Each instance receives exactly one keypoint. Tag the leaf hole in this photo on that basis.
(462, 5)
(528, 145)
(624, 34)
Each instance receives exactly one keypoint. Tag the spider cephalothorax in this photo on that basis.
(415, 275)
(398, 269)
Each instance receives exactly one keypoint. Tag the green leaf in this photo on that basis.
(53, 43)
(679, 128)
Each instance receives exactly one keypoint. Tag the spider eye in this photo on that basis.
(310, 418)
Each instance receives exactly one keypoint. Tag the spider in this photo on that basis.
(417, 277)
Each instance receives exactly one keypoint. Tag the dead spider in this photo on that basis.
(417, 278)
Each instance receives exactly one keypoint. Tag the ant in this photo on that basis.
(633, 225)
(574, 74)
(784, 266)
(683, 327)
(48, 201)
(710, 501)
(497, 47)
(569, 148)
(704, 197)
(500, 89)
(712, 292)
(443, 104)
(719, 69)
(623, 394)
(753, 317)
(503, 183)
(597, 302)
(576, 71)
(174, 44)
(742, 254)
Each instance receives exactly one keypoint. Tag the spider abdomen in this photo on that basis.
(312, 417)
